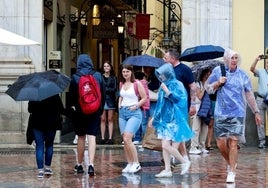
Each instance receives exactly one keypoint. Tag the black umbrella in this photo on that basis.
(201, 52)
(38, 86)
(144, 60)
(208, 64)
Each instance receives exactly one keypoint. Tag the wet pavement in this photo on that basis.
(18, 169)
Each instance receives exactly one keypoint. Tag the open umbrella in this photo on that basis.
(144, 60)
(38, 86)
(208, 64)
(7, 37)
(201, 52)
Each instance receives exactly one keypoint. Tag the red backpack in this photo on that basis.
(89, 94)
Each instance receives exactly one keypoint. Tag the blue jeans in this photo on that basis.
(129, 121)
(44, 147)
(141, 131)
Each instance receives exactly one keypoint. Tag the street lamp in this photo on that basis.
(171, 35)
(173, 22)
(120, 28)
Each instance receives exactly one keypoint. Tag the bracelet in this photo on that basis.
(257, 111)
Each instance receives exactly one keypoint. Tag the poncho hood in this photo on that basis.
(166, 70)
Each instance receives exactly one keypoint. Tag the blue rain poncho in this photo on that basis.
(231, 96)
(230, 107)
(171, 111)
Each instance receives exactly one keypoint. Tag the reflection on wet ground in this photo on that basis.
(18, 169)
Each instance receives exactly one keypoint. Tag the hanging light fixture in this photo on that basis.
(173, 22)
(120, 28)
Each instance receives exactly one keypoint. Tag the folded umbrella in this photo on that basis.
(144, 60)
(202, 52)
(38, 86)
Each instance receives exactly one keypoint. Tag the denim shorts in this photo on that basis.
(129, 120)
(106, 107)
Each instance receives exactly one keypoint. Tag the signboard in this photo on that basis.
(104, 30)
(54, 60)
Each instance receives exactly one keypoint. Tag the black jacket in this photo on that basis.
(46, 114)
(111, 91)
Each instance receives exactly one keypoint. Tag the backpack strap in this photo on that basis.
(136, 88)
(120, 85)
(223, 70)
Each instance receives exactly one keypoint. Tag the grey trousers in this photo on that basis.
(263, 109)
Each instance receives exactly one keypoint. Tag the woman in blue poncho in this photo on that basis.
(171, 118)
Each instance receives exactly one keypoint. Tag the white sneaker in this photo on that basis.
(230, 185)
(136, 142)
(172, 160)
(135, 167)
(230, 177)
(195, 151)
(229, 168)
(126, 169)
(75, 139)
(204, 151)
(185, 167)
(186, 157)
(164, 174)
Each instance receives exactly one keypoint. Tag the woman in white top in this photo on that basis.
(130, 115)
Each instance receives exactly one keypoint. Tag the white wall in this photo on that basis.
(25, 18)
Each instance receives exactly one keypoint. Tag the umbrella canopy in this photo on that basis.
(38, 86)
(202, 52)
(144, 60)
(208, 64)
(7, 37)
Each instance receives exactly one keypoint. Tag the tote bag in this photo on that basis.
(150, 141)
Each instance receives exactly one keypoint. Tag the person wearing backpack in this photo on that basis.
(234, 92)
(130, 115)
(87, 97)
